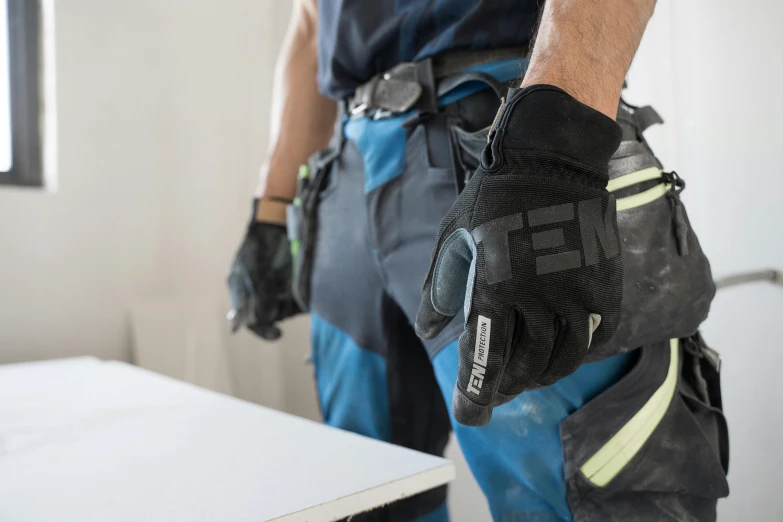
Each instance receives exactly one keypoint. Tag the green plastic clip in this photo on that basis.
(304, 172)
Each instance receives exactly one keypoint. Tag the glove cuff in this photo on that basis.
(546, 120)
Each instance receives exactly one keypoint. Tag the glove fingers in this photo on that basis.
(593, 322)
(238, 288)
(449, 285)
(605, 324)
(288, 308)
(265, 331)
(530, 355)
(484, 350)
(571, 345)
(239, 293)
(430, 322)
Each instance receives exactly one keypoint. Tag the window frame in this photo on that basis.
(25, 60)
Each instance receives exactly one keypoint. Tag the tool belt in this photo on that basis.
(419, 84)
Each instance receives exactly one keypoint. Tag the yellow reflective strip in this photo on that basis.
(642, 198)
(613, 456)
(633, 178)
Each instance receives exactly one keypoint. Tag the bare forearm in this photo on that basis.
(302, 119)
(586, 46)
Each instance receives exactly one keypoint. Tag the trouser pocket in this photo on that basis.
(653, 447)
(474, 116)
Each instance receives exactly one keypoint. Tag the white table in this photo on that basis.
(83, 440)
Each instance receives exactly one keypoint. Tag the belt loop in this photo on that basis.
(428, 101)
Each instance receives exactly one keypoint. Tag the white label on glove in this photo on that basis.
(480, 355)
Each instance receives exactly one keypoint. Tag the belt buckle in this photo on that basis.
(381, 114)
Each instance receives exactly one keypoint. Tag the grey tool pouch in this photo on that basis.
(303, 212)
(668, 285)
(667, 282)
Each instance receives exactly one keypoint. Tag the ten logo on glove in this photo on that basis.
(530, 250)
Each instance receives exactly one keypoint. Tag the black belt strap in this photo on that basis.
(457, 61)
(641, 118)
(415, 84)
(455, 80)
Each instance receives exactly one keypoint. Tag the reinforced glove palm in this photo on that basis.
(260, 281)
(530, 250)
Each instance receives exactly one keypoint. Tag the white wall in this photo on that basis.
(162, 126)
(71, 261)
(712, 68)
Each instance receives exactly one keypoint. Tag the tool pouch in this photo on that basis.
(668, 285)
(302, 214)
(667, 282)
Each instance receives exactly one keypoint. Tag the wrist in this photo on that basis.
(270, 210)
(277, 180)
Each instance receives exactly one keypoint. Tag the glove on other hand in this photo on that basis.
(260, 280)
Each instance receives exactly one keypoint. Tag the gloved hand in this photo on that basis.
(530, 249)
(260, 280)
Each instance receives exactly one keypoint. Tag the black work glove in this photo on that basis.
(260, 280)
(530, 249)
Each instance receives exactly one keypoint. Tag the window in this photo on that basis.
(21, 91)
(5, 95)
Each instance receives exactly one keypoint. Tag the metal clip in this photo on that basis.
(359, 109)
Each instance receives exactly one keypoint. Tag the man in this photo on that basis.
(559, 416)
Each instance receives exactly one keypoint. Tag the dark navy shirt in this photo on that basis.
(360, 38)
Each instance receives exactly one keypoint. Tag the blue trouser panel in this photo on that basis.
(353, 385)
(341, 368)
(377, 221)
(517, 458)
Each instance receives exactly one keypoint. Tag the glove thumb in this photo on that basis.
(450, 279)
